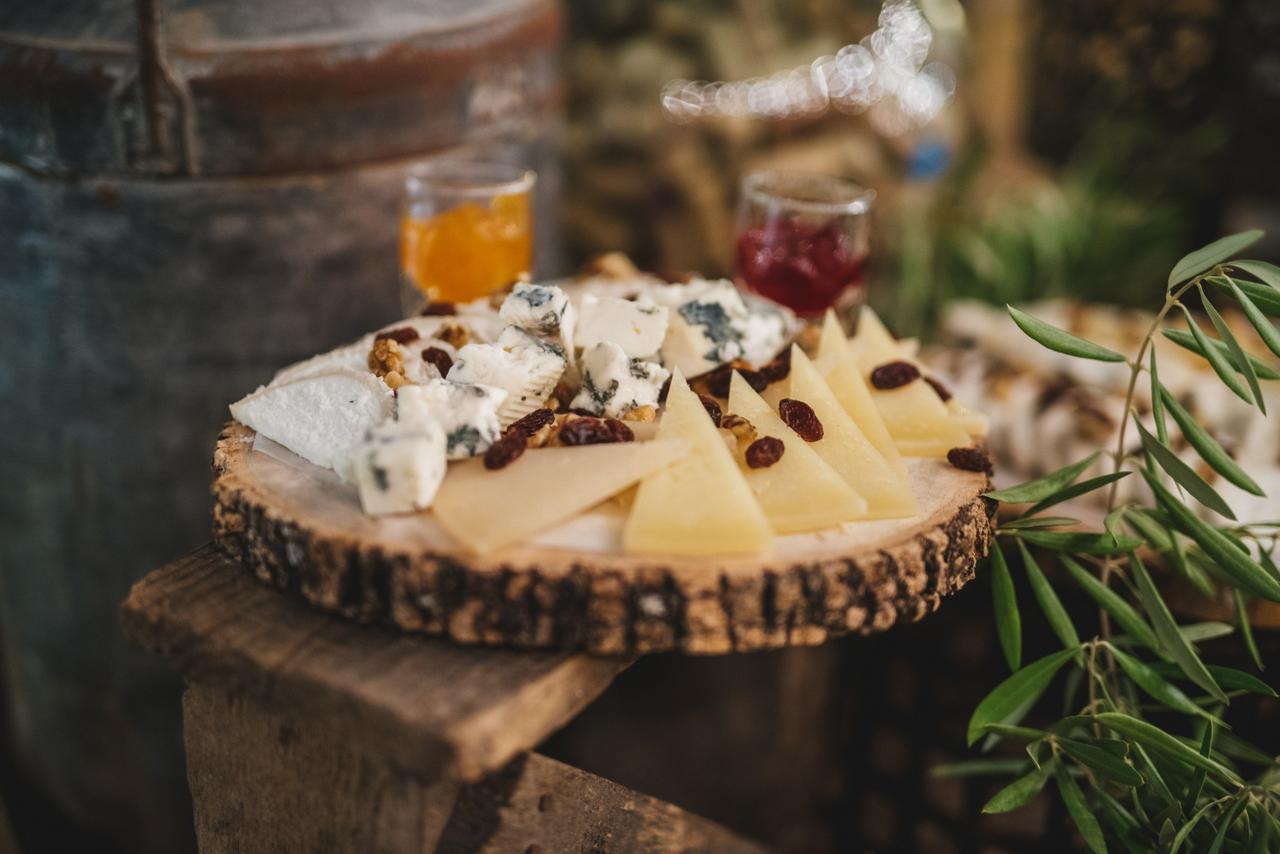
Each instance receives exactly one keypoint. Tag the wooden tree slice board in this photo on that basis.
(303, 531)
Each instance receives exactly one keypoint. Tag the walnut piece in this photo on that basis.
(386, 357)
(454, 335)
(611, 265)
(740, 427)
(641, 413)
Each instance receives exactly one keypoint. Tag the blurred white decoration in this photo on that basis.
(884, 75)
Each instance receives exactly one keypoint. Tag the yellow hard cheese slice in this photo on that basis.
(836, 363)
(701, 505)
(916, 417)
(844, 447)
(799, 492)
(487, 510)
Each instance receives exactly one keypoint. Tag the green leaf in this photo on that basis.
(1028, 522)
(1079, 811)
(1206, 257)
(1197, 781)
(1102, 761)
(1221, 365)
(1080, 543)
(1243, 571)
(1246, 629)
(1050, 604)
(1029, 733)
(1183, 474)
(1112, 521)
(1063, 342)
(1207, 630)
(1163, 743)
(1188, 342)
(1239, 359)
(979, 768)
(1013, 697)
(1077, 489)
(1172, 643)
(1005, 600)
(1265, 298)
(1155, 685)
(1208, 448)
(1020, 792)
(1221, 836)
(1041, 488)
(1157, 405)
(1124, 614)
(1185, 832)
(1261, 270)
(1265, 328)
(1228, 677)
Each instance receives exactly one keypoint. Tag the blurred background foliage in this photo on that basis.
(1088, 142)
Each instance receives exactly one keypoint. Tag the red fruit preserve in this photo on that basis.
(806, 266)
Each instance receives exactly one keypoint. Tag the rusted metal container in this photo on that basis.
(192, 194)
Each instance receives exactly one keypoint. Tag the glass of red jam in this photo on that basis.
(803, 240)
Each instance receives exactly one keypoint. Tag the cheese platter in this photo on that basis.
(619, 465)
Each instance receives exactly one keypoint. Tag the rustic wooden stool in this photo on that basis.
(307, 733)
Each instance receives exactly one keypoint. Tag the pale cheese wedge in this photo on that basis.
(836, 364)
(974, 423)
(486, 510)
(916, 417)
(846, 449)
(701, 505)
(799, 492)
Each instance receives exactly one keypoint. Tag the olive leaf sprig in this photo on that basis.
(1147, 762)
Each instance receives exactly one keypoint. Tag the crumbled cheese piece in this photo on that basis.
(637, 326)
(543, 310)
(706, 331)
(764, 333)
(613, 385)
(399, 467)
(466, 412)
(525, 366)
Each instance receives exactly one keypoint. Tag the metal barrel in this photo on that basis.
(192, 194)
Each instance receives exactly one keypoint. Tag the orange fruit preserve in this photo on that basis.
(468, 251)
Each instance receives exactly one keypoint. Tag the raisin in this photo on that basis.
(506, 450)
(717, 380)
(764, 452)
(777, 370)
(402, 335)
(894, 374)
(756, 379)
(533, 422)
(799, 416)
(713, 408)
(662, 392)
(970, 459)
(594, 431)
(439, 358)
(439, 309)
(943, 392)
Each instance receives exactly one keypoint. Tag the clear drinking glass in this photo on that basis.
(466, 229)
(803, 240)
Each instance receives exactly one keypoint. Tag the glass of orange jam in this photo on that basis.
(466, 230)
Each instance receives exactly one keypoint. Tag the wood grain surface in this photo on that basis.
(432, 706)
(306, 534)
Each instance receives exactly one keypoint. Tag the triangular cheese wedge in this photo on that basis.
(799, 492)
(916, 417)
(837, 366)
(487, 510)
(844, 447)
(974, 423)
(702, 505)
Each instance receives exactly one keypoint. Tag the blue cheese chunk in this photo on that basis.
(544, 310)
(524, 365)
(467, 413)
(637, 326)
(399, 467)
(706, 331)
(765, 332)
(613, 384)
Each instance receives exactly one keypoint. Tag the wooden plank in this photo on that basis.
(431, 706)
(269, 781)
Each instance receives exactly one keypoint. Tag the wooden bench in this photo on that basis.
(307, 733)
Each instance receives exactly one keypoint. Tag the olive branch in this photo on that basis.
(1147, 762)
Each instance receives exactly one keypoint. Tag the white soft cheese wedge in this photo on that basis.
(637, 326)
(916, 417)
(320, 418)
(702, 505)
(399, 467)
(836, 364)
(525, 366)
(846, 449)
(799, 492)
(486, 510)
(351, 357)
